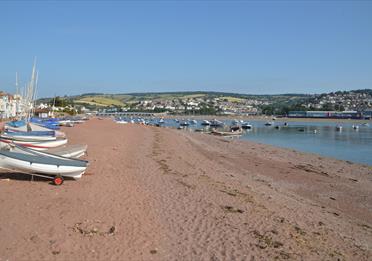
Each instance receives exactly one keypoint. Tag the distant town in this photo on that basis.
(355, 104)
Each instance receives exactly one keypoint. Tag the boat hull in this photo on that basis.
(12, 136)
(36, 145)
(34, 127)
(9, 160)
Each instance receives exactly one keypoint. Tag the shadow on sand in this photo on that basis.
(23, 177)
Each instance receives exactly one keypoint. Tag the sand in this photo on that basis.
(164, 194)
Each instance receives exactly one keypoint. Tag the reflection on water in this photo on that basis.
(317, 137)
(321, 138)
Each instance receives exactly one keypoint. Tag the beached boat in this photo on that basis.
(227, 133)
(69, 151)
(36, 145)
(64, 122)
(52, 124)
(16, 136)
(193, 122)
(31, 127)
(31, 133)
(234, 128)
(31, 162)
(121, 122)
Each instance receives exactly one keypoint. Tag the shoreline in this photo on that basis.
(160, 194)
(266, 118)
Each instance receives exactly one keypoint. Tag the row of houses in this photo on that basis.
(366, 114)
(11, 106)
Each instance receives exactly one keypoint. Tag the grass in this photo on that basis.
(100, 101)
(232, 99)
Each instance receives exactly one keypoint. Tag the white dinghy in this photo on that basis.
(41, 164)
(36, 145)
(34, 127)
(14, 136)
(69, 151)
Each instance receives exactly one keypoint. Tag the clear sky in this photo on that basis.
(235, 46)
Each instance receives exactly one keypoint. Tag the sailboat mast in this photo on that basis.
(16, 83)
(30, 91)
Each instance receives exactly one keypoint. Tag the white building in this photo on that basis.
(11, 106)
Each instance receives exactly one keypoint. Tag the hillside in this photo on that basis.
(220, 102)
(103, 100)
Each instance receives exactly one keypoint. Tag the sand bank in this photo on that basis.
(162, 194)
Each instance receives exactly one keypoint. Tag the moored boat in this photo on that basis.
(216, 123)
(269, 123)
(205, 123)
(246, 126)
(235, 122)
(184, 123)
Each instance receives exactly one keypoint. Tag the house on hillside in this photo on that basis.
(44, 112)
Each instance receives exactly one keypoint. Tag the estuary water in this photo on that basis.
(320, 138)
(316, 137)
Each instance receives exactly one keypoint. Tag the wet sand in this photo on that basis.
(163, 194)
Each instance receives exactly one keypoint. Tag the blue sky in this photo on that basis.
(235, 46)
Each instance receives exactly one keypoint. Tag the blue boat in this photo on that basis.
(30, 133)
(16, 124)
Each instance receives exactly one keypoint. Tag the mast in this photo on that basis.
(16, 83)
(34, 93)
(54, 104)
(31, 91)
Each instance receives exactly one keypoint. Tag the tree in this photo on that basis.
(328, 107)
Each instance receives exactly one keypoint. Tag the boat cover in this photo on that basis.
(43, 159)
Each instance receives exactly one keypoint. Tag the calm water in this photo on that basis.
(348, 144)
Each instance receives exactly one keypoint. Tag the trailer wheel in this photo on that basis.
(58, 180)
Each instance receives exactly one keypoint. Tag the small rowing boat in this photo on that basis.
(36, 145)
(226, 133)
(41, 163)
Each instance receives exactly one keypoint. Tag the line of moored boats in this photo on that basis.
(214, 126)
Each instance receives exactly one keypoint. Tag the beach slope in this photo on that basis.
(163, 194)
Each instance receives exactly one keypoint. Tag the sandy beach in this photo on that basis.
(163, 194)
